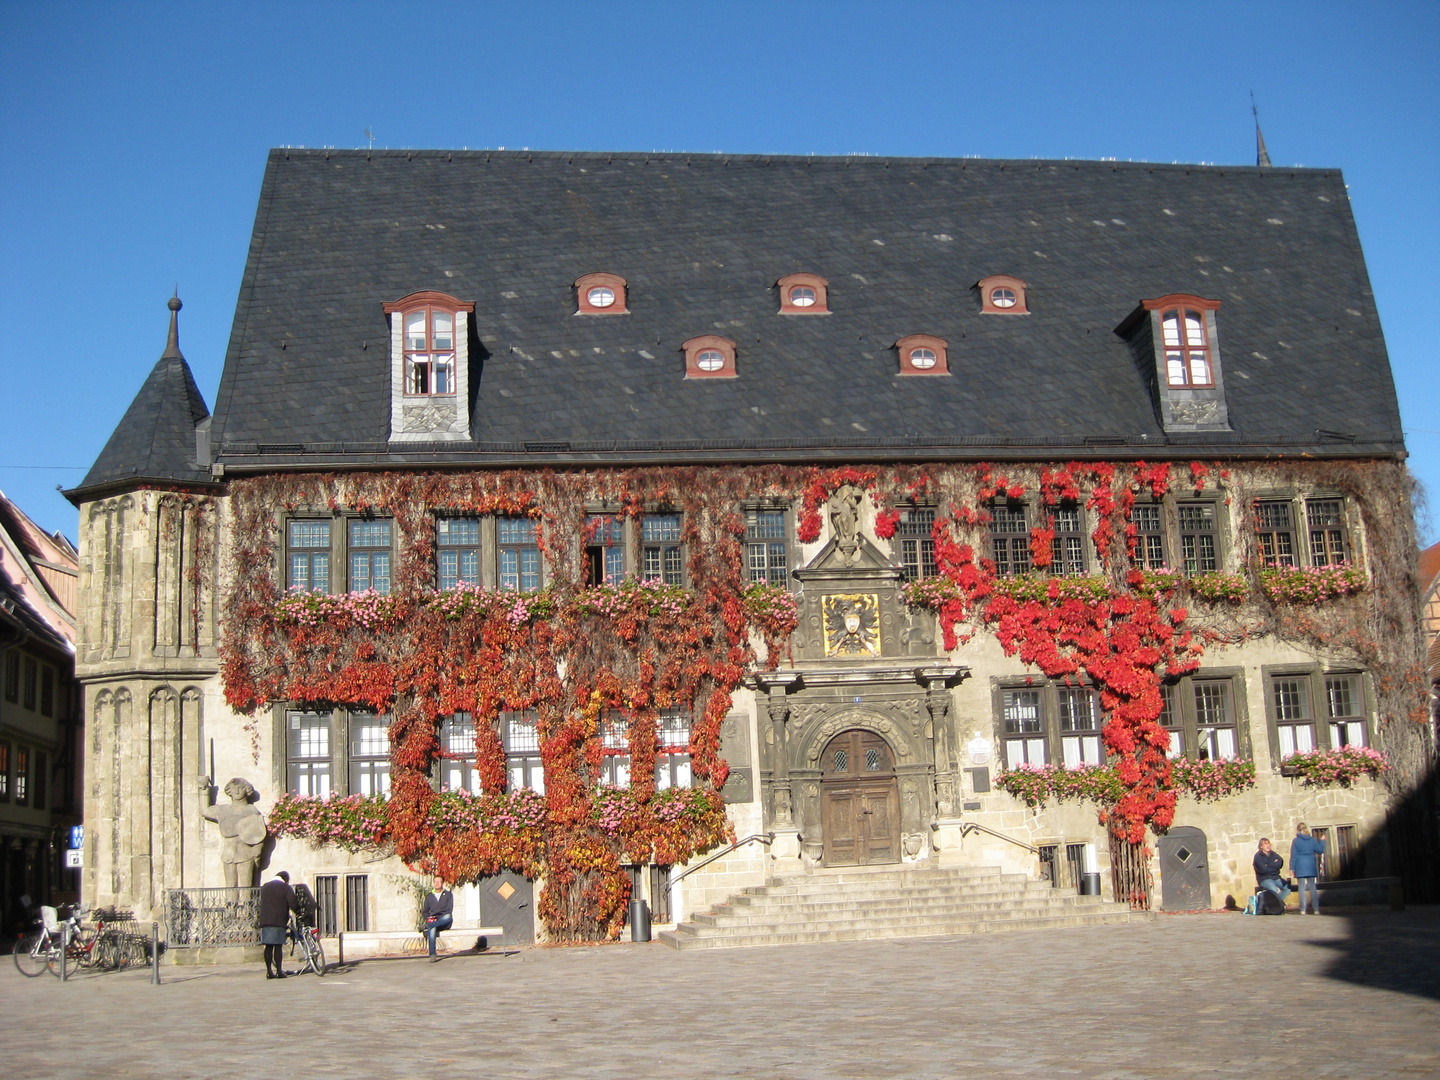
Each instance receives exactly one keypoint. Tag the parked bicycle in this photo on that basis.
(307, 939)
(100, 946)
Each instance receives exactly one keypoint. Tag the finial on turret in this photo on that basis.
(172, 346)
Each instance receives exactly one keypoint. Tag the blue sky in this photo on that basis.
(133, 138)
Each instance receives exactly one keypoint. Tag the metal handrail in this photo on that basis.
(970, 826)
(764, 838)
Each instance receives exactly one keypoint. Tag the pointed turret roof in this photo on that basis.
(155, 440)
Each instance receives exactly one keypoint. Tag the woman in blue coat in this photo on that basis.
(1305, 855)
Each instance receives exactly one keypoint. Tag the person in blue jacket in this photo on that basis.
(1305, 855)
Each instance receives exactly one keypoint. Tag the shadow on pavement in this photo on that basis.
(1388, 950)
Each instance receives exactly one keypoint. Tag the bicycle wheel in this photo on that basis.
(32, 956)
(106, 953)
(314, 953)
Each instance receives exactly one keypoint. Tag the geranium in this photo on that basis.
(1329, 768)
(1211, 780)
(1311, 584)
(1218, 587)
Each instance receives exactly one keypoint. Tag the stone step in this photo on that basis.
(859, 875)
(843, 913)
(771, 894)
(683, 938)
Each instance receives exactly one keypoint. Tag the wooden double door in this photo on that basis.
(860, 801)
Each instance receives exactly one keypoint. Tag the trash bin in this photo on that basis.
(1089, 884)
(639, 920)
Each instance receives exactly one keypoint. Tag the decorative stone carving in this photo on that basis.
(852, 624)
(912, 844)
(845, 523)
(242, 829)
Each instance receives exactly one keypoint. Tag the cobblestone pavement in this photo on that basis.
(1216, 995)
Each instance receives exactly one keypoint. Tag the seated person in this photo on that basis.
(1267, 871)
(437, 912)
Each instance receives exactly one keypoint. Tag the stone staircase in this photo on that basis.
(864, 903)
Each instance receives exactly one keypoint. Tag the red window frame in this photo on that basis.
(909, 344)
(1181, 308)
(430, 303)
(814, 282)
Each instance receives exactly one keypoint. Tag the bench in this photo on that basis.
(359, 943)
(1363, 892)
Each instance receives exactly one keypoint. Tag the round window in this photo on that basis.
(922, 359)
(802, 296)
(1002, 298)
(601, 296)
(710, 360)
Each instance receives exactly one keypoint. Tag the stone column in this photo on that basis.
(937, 701)
(779, 709)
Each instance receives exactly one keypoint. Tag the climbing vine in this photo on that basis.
(582, 656)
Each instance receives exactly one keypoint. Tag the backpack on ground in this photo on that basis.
(1269, 903)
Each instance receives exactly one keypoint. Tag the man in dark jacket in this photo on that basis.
(1267, 870)
(437, 913)
(277, 901)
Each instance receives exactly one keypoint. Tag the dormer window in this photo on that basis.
(600, 294)
(429, 382)
(709, 357)
(1177, 334)
(923, 354)
(803, 294)
(1187, 347)
(430, 351)
(1001, 294)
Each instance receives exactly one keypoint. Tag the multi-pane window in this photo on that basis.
(327, 900)
(1294, 720)
(1009, 540)
(661, 552)
(4, 772)
(12, 676)
(1344, 705)
(1326, 521)
(520, 732)
(430, 352)
(1214, 720)
(307, 753)
(307, 555)
(916, 530)
(1067, 549)
(369, 754)
(604, 549)
(369, 555)
(47, 691)
(672, 763)
(32, 680)
(22, 775)
(765, 549)
(1024, 722)
(457, 551)
(1080, 727)
(1169, 719)
(1197, 537)
(457, 753)
(38, 792)
(1149, 524)
(1275, 533)
(1187, 350)
(615, 754)
(519, 554)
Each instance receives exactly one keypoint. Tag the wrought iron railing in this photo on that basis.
(196, 917)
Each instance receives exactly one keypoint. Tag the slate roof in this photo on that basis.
(702, 239)
(155, 439)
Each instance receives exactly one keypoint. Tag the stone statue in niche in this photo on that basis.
(242, 829)
(845, 523)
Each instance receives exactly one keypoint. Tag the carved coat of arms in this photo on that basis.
(852, 624)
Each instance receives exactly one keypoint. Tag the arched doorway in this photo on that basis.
(860, 799)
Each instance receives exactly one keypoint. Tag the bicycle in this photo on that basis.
(308, 938)
(36, 952)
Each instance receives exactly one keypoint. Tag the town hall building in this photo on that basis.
(789, 474)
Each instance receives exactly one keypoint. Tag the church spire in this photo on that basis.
(1262, 156)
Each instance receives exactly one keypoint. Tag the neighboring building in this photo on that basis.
(1429, 578)
(41, 726)
(668, 357)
